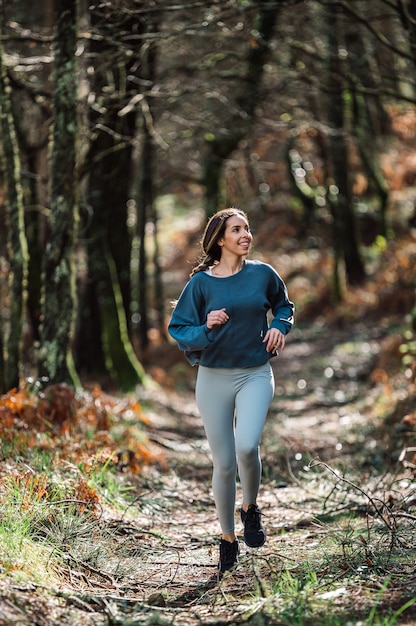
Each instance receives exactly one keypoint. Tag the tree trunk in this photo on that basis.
(345, 237)
(109, 185)
(302, 190)
(55, 362)
(109, 346)
(407, 13)
(33, 235)
(150, 194)
(142, 279)
(121, 362)
(370, 120)
(16, 240)
(144, 210)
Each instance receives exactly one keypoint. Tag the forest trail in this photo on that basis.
(159, 564)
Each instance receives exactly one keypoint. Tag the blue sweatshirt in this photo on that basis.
(247, 297)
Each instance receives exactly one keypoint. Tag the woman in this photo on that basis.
(221, 322)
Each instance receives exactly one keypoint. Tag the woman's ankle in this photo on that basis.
(230, 537)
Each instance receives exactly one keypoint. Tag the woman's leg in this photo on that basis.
(215, 395)
(252, 404)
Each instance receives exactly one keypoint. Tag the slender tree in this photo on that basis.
(16, 240)
(370, 121)
(407, 14)
(28, 35)
(345, 235)
(147, 211)
(55, 362)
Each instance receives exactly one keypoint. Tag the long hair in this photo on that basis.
(214, 230)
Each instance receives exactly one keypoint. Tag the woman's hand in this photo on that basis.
(275, 340)
(217, 318)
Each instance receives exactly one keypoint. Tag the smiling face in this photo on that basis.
(237, 237)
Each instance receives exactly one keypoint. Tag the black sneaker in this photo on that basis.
(254, 533)
(228, 555)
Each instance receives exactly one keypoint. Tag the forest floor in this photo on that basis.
(333, 482)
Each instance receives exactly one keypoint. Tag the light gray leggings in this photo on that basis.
(233, 404)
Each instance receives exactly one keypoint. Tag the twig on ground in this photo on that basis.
(371, 500)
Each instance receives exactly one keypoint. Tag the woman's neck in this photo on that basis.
(225, 268)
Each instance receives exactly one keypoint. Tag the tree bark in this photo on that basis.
(407, 14)
(345, 236)
(109, 186)
(111, 352)
(370, 120)
(303, 191)
(16, 239)
(147, 212)
(55, 361)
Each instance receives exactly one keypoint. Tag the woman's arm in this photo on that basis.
(188, 324)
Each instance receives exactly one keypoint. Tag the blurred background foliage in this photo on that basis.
(126, 123)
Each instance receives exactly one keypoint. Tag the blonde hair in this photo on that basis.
(214, 230)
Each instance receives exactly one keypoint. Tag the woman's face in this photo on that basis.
(237, 237)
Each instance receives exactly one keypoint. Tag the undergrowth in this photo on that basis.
(64, 455)
(87, 428)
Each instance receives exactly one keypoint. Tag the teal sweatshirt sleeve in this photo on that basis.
(281, 307)
(188, 322)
